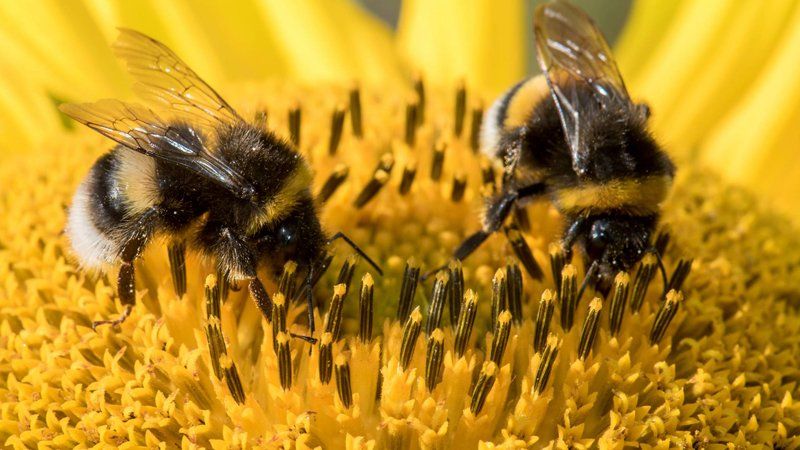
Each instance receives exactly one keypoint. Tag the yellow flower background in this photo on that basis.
(721, 78)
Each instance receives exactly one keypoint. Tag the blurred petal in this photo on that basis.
(647, 23)
(73, 56)
(331, 40)
(480, 41)
(757, 143)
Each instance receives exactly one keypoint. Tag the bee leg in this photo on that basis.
(126, 289)
(497, 210)
(260, 296)
(663, 271)
(570, 236)
(140, 230)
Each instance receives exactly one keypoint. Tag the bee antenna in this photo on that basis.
(355, 247)
(662, 269)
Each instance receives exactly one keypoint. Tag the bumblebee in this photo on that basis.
(229, 188)
(574, 136)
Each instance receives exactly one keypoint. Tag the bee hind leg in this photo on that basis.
(141, 230)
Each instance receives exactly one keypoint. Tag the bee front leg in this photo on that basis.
(571, 235)
(497, 210)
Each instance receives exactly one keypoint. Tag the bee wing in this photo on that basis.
(164, 78)
(574, 56)
(142, 130)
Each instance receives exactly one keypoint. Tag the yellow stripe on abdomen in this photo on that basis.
(638, 197)
(522, 104)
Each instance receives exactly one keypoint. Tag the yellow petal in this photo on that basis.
(480, 41)
(328, 40)
(737, 59)
(694, 35)
(753, 144)
(64, 39)
(646, 25)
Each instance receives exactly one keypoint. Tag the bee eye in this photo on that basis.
(286, 235)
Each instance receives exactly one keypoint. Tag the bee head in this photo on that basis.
(617, 243)
(296, 237)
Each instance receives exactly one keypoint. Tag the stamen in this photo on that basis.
(521, 218)
(434, 359)
(288, 280)
(666, 312)
(475, 129)
(466, 319)
(212, 296)
(589, 329)
(222, 365)
(419, 88)
(644, 275)
(438, 160)
(679, 274)
(487, 174)
(325, 358)
(543, 316)
(232, 379)
(514, 291)
(177, 264)
(568, 296)
(411, 331)
(412, 110)
(334, 181)
(355, 111)
(365, 306)
(502, 329)
(459, 187)
(482, 387)
(546, 364)
(441, 289)
(456, 289)
(524, 254)
(346, 272)
(409, 173)
(343, 387)
(216, 344)
(295, 115)
(618, 301)
(386, 163)
(557, 261)
(662, 241)
(284, 361)
(278, 317)
(337, 126)
(333, 320)
(498, 293)
(407, 289)
(460, 109)
(375, 184)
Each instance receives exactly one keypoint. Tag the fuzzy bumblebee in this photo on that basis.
(574, 136)
(206, 178)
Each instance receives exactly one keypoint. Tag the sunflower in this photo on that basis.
(495, 351)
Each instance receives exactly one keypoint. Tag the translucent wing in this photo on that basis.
(164, 78)
(140, 129)
(577, 62)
